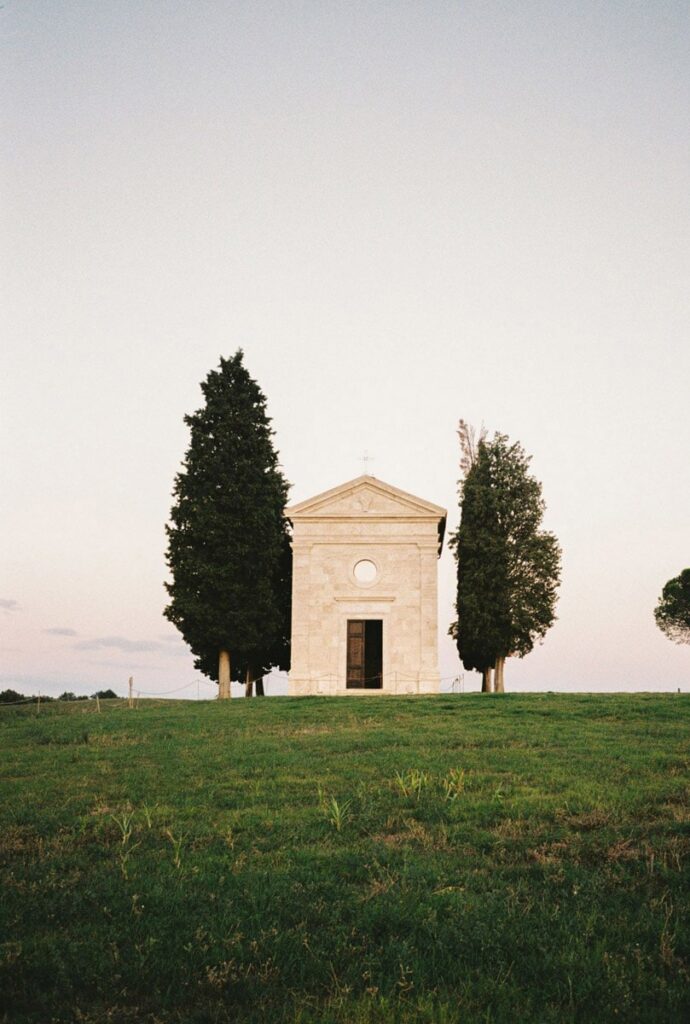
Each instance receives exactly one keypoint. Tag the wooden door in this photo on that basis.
(355, 653)
(365, 654)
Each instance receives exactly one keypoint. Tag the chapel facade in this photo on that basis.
(364, 591)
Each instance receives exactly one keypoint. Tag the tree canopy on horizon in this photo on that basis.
(672, 614)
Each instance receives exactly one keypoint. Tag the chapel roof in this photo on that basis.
(366, 494)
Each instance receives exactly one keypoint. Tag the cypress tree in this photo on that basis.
(228, 545)
(533, 555)
(508, 567)
(482, 595)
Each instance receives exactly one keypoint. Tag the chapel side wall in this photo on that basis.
(429, 671)
(300, 630)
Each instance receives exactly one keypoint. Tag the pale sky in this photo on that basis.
(404, 213)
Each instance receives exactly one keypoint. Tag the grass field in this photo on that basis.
(450, 859)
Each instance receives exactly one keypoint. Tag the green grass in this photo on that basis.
(449, 859)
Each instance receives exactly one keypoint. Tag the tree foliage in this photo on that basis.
(228, 543)
(508, 567)
(470, 439)
(672, 613)
(12, 697)
(482, 593)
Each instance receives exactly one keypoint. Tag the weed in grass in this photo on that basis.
(176, 842)
(148, 815)
(412, 782)
(124, 822)
(363, 797)
(404, 982)
(339, 812)
(336, 812)
(453, 784)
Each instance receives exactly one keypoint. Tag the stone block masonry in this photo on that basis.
(363, 552)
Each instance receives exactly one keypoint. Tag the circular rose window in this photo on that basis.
(365, 571)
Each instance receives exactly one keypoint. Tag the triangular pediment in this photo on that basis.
(365, 496)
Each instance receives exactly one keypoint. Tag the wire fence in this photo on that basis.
(331, 679)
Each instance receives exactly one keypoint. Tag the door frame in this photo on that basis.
(383, 618)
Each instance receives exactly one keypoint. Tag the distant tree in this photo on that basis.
(11, 697)
(508, 567)
(67, 695)
(228, 542)
(672, 613)
(103, 695)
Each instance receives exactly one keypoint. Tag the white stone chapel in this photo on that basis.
(364, 591)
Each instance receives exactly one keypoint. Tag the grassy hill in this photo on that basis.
(449, 859)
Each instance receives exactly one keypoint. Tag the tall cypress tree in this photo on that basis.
(533, 555)
(482, 589)
(228, 545)
(508, 567)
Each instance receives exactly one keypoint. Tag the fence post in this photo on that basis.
(131, 680)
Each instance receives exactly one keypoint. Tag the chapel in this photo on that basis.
(364, 591)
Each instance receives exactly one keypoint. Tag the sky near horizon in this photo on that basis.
(404, 213)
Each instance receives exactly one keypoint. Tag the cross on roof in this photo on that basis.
(365, 460)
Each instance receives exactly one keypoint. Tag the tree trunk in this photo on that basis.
(260, 686)
(487, 681)
(249, 683)
(498, 687)
(224, 675)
